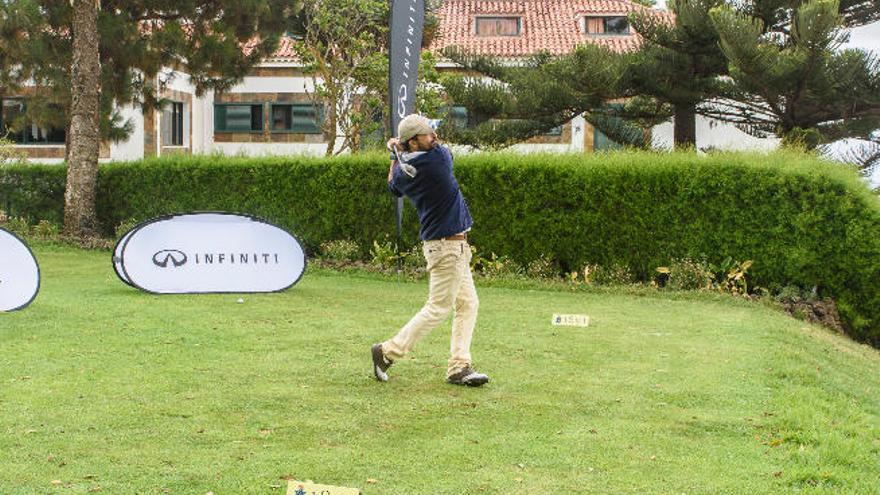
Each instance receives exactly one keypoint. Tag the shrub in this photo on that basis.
(803, 221)
(614, 274)
(17, 226)
(495, 266)
(384, 257)
(46, 229)
(687, 274)
(9, 154)
(341, 250)
(542, 267)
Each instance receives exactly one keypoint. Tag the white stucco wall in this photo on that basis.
(274, 85)
(715, 134)
(270, 149)
(133, 147)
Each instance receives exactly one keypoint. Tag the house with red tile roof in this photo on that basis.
(517, 29)
(270, 112)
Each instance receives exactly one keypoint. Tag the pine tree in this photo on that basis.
(82, 167)
(507, 104)
(215, 42)
(679, 63)
(796, 83)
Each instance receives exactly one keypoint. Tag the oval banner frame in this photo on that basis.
(23, 263)
(117, 255)
(171, 244)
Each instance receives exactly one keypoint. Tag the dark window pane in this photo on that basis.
(256, 117)
(616, 25)
(238, 118)
(282, 117)
(14, 124)
(12, 121)
(556, 131)
(177, 124)
(55, 135)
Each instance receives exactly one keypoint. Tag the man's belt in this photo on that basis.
(456, 237)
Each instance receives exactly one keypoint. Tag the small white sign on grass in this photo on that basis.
(295, 487)
(571, 320)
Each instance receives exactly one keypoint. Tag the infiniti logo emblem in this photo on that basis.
(177, 258)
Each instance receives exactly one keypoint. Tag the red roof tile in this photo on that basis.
(285, 50)
(550, 25)
(546, 25)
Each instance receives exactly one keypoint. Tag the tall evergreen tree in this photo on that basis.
(82, 165)
(507, 104)
(797, 83)
(215, 42)
(679, 63)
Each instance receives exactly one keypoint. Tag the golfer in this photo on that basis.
(424, 174)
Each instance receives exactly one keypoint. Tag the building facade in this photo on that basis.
(270, 113)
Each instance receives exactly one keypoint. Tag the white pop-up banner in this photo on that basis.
(19, 273)
(215, 252)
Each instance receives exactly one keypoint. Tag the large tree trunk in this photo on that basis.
(685, 131)
(80, 219)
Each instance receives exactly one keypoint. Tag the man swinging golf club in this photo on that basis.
(422, 171)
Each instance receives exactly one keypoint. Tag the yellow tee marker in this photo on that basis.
(295, 487)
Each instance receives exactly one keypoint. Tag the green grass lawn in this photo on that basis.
(105, 389)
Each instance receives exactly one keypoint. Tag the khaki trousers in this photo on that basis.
(451, 288)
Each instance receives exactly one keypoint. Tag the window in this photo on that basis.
(173, 123)
(601, 142)
(459, 117)
(238, 117)
(556, 131)
(606, 25)
(498, 26)
(17, 127)
(301, 118)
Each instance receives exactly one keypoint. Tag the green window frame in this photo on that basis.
(298, 118)
(238, 117)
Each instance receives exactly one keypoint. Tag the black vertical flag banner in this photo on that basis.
(407, 22)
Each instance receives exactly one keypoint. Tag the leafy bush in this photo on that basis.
(495, 266)
(614, 274)
(687, 274)
(731, 276)
(542, 267)
(46, 229)
(9, 154)
(341, 250)
(803, 222)
(17, 226)
(384, 258)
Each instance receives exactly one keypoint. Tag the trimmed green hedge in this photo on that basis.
(803, 221)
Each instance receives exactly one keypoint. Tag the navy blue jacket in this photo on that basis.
(435, 193)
